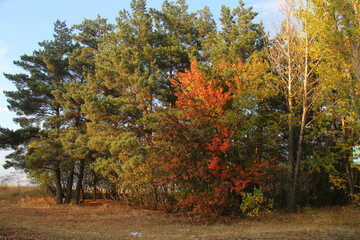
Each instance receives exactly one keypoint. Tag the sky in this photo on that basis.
(25, 23)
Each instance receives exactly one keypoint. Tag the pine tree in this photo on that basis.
(34, 102)
(239, 36)
(89, 35)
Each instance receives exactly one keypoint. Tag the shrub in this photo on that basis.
(256, 204)
(355, 198)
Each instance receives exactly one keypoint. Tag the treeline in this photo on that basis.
(166, 110)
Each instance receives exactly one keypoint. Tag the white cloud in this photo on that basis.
(4, 109)
(267, 5)
(269, 13)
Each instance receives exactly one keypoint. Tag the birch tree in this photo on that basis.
(294, 58)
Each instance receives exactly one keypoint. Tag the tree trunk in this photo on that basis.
(69, 186)
(349, 171)
(79, 182)
(59, 192)
(290, 198)
(290, 191)
(95, 185)
(299, 151)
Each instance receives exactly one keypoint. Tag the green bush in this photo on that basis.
(256, 204)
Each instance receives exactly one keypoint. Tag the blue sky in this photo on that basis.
(25, 23)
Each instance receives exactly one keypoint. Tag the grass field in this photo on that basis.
(26, 214)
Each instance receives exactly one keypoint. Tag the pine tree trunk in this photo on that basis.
(95, 185)
(59, 192)
(70, 182)
(79, 182)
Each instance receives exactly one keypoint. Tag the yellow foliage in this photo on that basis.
(337, 182)
(256, 204)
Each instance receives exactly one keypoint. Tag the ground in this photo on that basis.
(26, 214)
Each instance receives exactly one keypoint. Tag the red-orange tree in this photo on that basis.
(198, 139)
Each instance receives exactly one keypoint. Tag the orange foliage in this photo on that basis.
(200, 162)
(198, 97)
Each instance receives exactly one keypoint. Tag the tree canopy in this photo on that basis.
(164, 109)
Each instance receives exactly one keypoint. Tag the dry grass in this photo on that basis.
(35, 218)
(15, 195)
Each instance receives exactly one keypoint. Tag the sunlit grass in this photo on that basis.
(26, 214)
(18, 194)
